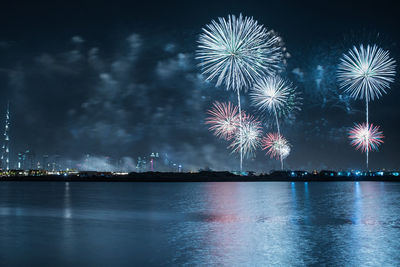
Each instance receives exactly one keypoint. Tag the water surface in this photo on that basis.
(220, 224)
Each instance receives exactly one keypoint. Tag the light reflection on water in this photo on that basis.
(220, 224)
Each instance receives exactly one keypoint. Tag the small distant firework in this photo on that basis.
(276, 145)
(223, 119)
(366, 137)
(366, 72)
(275, 95)
(248, 136)
(285, 151)
(237, 50)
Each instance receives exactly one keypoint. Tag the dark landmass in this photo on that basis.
(210, 176)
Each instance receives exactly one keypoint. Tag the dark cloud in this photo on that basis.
(77, 39)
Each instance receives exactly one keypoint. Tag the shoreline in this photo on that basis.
(198, 177)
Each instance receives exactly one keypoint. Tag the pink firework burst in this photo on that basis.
(223, 119)
(276, 145)
(366, 137)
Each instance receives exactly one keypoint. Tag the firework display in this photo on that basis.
(236, 51)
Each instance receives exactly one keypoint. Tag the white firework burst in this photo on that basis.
(366, 72)
(237, 50)
(248, 137)
(274, 94)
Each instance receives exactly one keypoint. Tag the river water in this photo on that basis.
(199, 224)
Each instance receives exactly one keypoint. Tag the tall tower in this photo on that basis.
(152, 156)
(5, 156)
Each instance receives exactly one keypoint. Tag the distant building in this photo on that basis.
(26, 160)
(153, 158)
(29, 160)
(20, 161)
(56, 166)
(141, 164)
(45, 162)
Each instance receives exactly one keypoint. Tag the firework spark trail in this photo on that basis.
(276, 95)
(236, 51)
(366, 72)
(366, 137)
(276, 145)
(223, 119)
(248, 136)
(279, 132)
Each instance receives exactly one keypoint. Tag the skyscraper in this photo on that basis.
(153, 158)
(5, 156)
(29, 160)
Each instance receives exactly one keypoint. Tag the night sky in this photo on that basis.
(120, 80)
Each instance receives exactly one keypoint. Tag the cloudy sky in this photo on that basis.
(120, 80)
